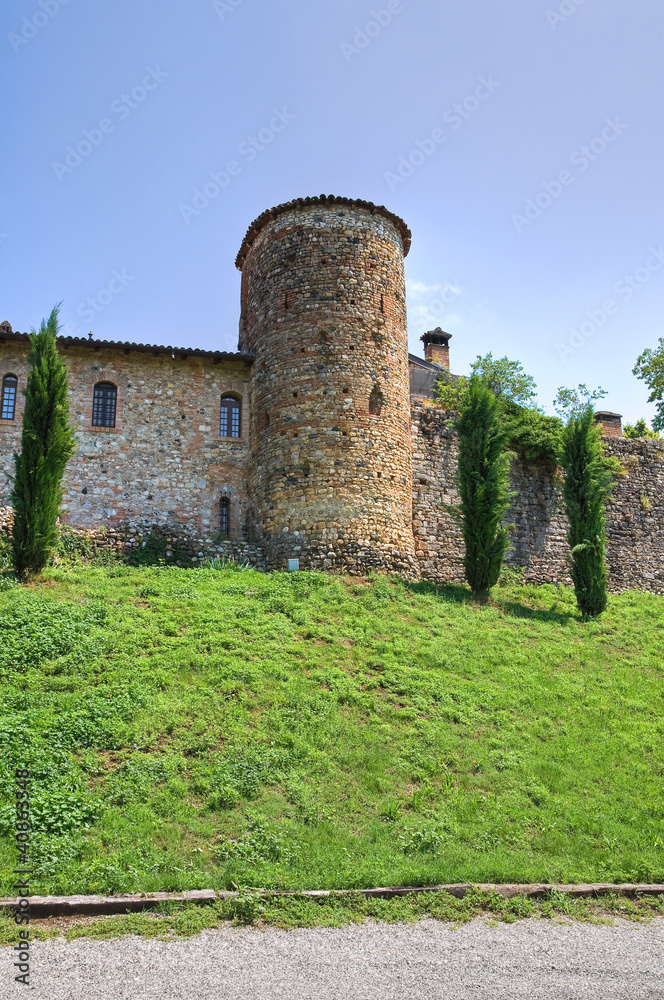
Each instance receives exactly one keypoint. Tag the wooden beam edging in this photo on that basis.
(60, 906)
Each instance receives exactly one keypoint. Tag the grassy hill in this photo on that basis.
(212, 727)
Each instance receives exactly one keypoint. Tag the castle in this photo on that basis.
(317, 440)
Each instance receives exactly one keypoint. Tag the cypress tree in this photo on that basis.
(483, 484)
(47, 444)
(588, 482)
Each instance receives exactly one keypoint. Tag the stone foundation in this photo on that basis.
(174, 547)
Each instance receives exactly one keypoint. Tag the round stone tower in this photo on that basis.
(324, 312)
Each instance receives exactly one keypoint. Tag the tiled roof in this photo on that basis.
(413, 359)
(7, 334)
(323, 199)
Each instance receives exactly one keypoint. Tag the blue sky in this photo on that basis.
(521, 142)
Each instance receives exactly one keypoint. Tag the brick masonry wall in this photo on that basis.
(324, 311)
(635, 512)
(164, 465)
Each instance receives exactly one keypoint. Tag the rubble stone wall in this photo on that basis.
(164, 464)
(324, 312)
(635, 512)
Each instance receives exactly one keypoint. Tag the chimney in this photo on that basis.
(436, 347)
(611, 423)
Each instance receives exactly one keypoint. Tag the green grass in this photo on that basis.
(185, 920)
(221, 728)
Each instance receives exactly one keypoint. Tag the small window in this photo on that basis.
(230, 424)
(104, 403)
(9, 384)
(376, 401)
(224, 517)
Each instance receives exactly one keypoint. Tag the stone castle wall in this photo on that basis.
(635, 512)
(324, 312)
(164, 465)
(335, 464)
(118, 471)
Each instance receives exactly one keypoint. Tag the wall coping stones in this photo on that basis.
(323, 199)
(7, 334)
(60, 906)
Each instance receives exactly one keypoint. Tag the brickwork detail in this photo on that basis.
(164, 464)
(324, 312)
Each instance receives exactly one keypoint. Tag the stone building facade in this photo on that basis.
(318, 439)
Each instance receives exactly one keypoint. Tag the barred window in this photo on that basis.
(9, 384)
(104, 402)
(224, 517)
(230, 424)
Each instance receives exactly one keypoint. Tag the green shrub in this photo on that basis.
(533, 435)
(47, 444)
(72, 546)
(483, 486)
(588, 481)
(640, 430)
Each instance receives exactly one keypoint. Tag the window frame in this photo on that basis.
(230, 404)
(9, 394)
(224, 517)
(101, 409)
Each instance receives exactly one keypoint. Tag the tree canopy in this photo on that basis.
(649, 368)
(506, 379)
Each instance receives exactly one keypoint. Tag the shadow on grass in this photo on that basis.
(453, 593)
(460, 594)
(538, 614)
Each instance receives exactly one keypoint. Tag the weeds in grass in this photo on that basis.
(250, 908)
(191, 728)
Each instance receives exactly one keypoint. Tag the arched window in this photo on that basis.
(224, 517)
(104, 403)
(9, 384)
(230, 424)
(376, 401)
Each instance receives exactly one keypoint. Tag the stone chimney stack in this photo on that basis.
(611, 423)
(436, 347)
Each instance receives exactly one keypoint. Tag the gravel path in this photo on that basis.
(531, 959)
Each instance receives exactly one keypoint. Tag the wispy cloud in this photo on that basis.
(429, 305)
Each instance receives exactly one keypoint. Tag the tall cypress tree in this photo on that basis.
(588, 482)
(483, 484)
(47, 444)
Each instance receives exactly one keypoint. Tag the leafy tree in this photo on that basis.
(506, 379)
(574, 402)
(450, 391)
(650, 368)
(589, 478)
(534, 435)
(47, 444)
(483, 485)
(639, 430)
